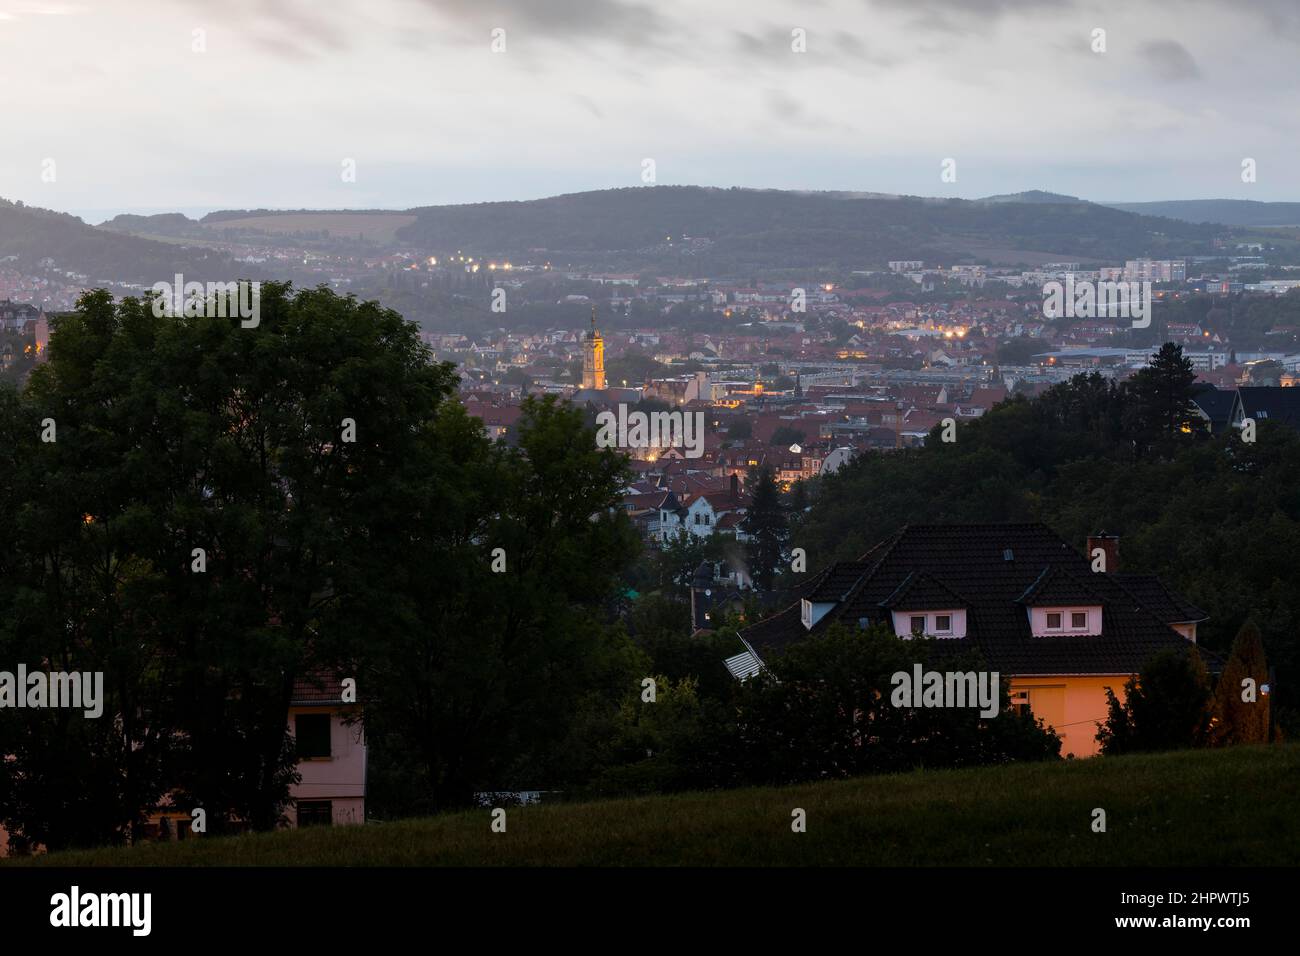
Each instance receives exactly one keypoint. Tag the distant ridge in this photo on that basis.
(692, 230)
(726, 231)
(32, 235)
(1226, 212)
(1034, 196)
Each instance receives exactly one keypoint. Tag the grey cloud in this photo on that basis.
(292, 28)
(771, 40)
(1279, 16)
(627, 22)
(283, 27)
(853, 47)
(784, 107)
(980, 8)
(590, 105)
(748, 43)
(787, 110)
(1170, 60)
(838, 44)
(966, 16)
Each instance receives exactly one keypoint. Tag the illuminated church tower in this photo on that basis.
(593, 358)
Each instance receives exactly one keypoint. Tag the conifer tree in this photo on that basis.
(1240, 704)
(768, 527)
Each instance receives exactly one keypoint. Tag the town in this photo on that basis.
(763, 436)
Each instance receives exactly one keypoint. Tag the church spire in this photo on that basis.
(593, 359)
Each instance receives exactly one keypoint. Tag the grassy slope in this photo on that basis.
(1230, 807)
(376, 226)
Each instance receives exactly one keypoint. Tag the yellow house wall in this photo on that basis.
(1072, 706)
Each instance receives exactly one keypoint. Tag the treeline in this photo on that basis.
(1243, 319)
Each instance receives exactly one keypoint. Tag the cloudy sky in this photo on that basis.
(263, 104)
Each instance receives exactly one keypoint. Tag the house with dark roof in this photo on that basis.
(1267, 403)
(1060, 627)
(717, 587)
(705, 513)
(1214, 405)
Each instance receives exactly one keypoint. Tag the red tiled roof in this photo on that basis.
(317, 688)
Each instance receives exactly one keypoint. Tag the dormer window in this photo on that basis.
(810, 612)
(948, 623)
(1066, 621)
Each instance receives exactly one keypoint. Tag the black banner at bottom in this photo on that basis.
(330, 906)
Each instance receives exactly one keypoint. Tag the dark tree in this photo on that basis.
(826, 709)
(193, 533)
(768, 528)
(489, 634)
(786, 436)
(1165, 707)
(1160, 396)
(1241, 707)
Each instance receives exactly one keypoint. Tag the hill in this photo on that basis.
(687, 229)
(1174, 809)
(352, 230)
(733, 230)
(701, 230)
(1228, 212)
(162, 224)
(32, 234)
(1033, 195)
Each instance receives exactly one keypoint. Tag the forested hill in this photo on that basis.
(1229, 212)
(33, 234)
(723, 229)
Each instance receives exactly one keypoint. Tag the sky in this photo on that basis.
(193, 105)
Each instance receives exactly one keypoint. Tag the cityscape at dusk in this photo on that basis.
(602, 435)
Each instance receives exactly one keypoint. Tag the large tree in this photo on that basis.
(490, 630)
(227, 510)
(195, 527)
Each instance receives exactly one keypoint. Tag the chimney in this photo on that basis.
(1109, 545)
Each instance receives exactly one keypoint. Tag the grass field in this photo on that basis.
(376, 226)
(1227, 807)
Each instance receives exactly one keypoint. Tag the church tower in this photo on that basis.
(593, 358)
